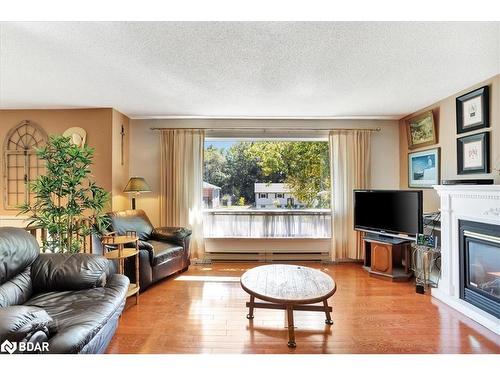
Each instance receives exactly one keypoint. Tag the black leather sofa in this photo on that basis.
(70, 301)
(162, 251)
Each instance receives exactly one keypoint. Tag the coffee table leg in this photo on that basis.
(291, 330)
(328, 319)
(250, 308)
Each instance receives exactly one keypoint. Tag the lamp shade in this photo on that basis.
(136, 184)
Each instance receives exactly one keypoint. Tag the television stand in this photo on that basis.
(387, 257)
(387, 239)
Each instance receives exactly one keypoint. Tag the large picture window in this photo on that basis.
(21, 164)
(266, 189)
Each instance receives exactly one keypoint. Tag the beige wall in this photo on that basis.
(145, 148)
(98, 123)
(120, 176)
(445, 117)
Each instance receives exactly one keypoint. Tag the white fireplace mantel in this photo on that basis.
(480, 203)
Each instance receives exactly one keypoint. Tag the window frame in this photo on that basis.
(266, 242)
(27, 156)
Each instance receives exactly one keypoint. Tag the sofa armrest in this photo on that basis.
(118, 283)
(177, 235)
(61, 272)
(24, 324)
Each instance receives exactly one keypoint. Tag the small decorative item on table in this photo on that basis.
(116, 249)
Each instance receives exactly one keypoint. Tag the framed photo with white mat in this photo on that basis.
(473, 110)
(424, 168)
(473, 154)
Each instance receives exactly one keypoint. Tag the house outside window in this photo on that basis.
(211, 195)
(278, 195)
(266, 189)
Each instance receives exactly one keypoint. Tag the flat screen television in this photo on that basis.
(388, 212)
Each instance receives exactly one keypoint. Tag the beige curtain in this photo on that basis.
(181, 176)
(349, 170)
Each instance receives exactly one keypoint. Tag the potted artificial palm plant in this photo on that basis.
(67, 204)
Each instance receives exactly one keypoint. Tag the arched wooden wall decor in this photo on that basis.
(21, 164)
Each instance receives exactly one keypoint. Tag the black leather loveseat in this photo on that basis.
(70, 301)
(162, 251)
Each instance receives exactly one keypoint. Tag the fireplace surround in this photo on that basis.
(479, 261)
(469, 212)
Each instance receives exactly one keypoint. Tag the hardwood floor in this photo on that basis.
(203, 311)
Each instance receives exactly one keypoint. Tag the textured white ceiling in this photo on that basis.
(244, 69)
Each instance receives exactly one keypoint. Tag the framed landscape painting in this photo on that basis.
(424, 168)
(473, 154)
(473, 110)
(421, 130)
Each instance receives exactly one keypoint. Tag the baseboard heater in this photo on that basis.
(267, 249)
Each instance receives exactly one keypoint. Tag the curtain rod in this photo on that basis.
(269, 130)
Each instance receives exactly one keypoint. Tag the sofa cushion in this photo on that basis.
(18, 250)
(163, 251)
(17, 290)
(61, 272)
(79, 315)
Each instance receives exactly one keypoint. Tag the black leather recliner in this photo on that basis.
(162, 251)
(70, 301)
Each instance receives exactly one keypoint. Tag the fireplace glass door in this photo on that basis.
(480, 265)
(484, 267)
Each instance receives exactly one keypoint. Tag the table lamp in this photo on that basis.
(136, 185)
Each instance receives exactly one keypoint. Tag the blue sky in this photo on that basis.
(219, 144)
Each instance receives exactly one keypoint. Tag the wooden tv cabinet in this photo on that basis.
(387, 257)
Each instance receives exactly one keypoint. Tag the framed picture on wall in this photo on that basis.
(473, 110)
(421, 130)
(424, 168)
(473, 153)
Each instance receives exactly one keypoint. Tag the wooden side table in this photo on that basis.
(116, 249)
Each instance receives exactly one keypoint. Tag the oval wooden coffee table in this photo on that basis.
(288, 287)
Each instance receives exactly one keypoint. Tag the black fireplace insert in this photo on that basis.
(480, 265)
